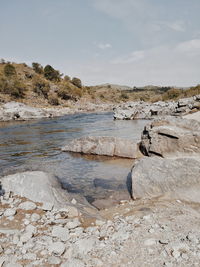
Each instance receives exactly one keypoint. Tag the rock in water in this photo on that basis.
(37, 186)
(155, 176)
(104, 145)
(171, 138)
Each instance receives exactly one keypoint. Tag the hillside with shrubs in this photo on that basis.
(42, 86)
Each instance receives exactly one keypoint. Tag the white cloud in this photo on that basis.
(191, 47)
(162, 65)
(133, 57)
(103, 46)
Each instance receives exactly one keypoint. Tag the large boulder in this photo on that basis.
(104, 145)
(172, 137)
(37, 186)
(153, 177)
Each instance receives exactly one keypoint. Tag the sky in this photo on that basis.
(128, 42)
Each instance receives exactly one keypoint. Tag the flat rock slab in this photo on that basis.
(37, 186)
(155, 176)
(104, 145)
(174, 137)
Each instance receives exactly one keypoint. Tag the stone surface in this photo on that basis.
(145, 110)
(155, 176)
(173, 137)
(104, 145)
(9, 212)
(57, 248)
(37, 186)
(28, 205)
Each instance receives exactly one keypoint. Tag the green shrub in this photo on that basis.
(77, 82)
(124, 96)
(51, 74)
(53, 99)
(12, 87)
(67, 78)
(37, 68)
(41, 87)
(9, 70)
(173, 93)
(65, 92)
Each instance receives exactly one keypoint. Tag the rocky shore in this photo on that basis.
(43, 225)
(19, 111)
(145, 110)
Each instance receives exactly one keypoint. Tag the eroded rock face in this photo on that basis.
(155, 176)
(145, 110)
(37, 186)
(173, 137)
(107, 146)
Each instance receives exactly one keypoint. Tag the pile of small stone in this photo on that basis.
(32, 236)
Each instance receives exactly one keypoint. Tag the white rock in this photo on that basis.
(54, 260)
(27, 205)
(35, 217)
(150, 242)
(73, 224)
(29, 256)
(26, 237)
(72, 212)
(9, 212)
(60, 232)
(47, 206)
(57, 248)
(31, 229)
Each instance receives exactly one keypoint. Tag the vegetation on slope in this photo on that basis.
(45, 86)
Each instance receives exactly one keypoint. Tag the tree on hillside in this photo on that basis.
(77, 82)
(9, 70)
(37, 67)
(51, 74)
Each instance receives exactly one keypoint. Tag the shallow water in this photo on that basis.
(35, 145)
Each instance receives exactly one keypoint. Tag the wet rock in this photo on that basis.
(107, 146)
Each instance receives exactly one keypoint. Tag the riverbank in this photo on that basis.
(20, 112)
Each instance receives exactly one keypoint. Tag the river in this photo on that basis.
(35, 145)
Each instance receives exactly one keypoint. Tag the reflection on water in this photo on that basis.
(35, 145)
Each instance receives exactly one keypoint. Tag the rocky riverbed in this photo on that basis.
(43, 225)
(140, 233)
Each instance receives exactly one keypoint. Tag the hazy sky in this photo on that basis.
(133, 42)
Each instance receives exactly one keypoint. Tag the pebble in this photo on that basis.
(28, 205)
(35, 217)
(58, 248)
(10, 212)
(149, 242)
(60, 232)
(73, 224)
